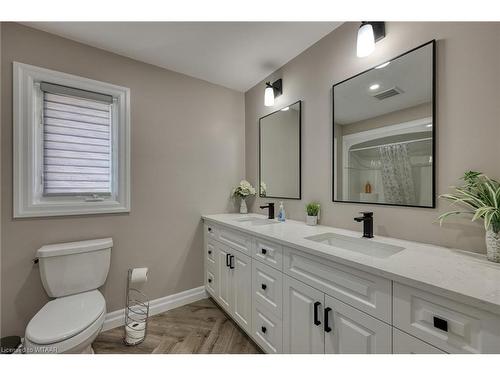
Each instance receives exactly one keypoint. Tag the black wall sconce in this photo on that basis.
(369, 33)
(272, 91)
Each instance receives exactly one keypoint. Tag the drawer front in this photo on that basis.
(211, 283)
(210, 255)
(449, 325)
(268, 253)
(403, 343)
(267, 287)
(364, 291)
(235, 240)
(210, 231)
(267, 330)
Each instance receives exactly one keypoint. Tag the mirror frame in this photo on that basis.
(299, 102)
(434, 133)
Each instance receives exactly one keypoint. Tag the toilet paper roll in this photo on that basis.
(135, 332)
(139, 276)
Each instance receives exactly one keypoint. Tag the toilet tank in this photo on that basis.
(74, 267)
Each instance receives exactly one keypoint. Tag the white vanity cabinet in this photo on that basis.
(294, 301)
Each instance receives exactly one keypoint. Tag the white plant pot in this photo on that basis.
(493, 246)
(243, 206)
(311, 220)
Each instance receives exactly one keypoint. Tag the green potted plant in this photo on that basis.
(480, 196)
(312, 210)
(243, 191)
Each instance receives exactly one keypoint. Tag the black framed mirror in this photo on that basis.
(384, 128)
(280, 153)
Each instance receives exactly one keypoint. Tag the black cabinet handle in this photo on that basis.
(209, 229)
(440, 323)
(227, 260)
(231, 261)
(316, 320)
(209, 280)
(263, 251)
(327, 311)
(209, 252)
(264, 286)
(263, 329)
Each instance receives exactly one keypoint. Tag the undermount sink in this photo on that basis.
(358, 245)
(255, 220)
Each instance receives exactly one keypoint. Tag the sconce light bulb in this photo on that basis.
(269, 97)
(366, 40)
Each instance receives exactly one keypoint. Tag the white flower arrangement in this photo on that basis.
(263, 189)
(243, 190)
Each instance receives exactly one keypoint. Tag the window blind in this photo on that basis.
(77, 141)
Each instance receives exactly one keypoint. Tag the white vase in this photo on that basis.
(243, 206)
(311, 220)
(493, 246)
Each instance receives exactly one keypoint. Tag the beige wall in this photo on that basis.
(187, 153)
(392, 118)
(468, 121)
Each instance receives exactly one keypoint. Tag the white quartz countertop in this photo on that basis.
(457, 274)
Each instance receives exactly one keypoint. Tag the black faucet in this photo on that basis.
(367, 220)
(271, 210)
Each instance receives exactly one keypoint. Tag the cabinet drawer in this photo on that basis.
(235, 240)
(449, 325)
(268, 287)
(210, 255)
(268, 253)
(403, 343)
(211, 283)
(364, 291)
(210, 231)
(267, 330)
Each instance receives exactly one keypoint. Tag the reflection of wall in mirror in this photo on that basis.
(363, 170)
(280, 154)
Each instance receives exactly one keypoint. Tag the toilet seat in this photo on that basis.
(67, 322)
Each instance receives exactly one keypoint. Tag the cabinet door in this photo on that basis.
(242, 289)
(224, 275)
(302, 318)
(350, 331)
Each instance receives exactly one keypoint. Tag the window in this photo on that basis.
(71, 144)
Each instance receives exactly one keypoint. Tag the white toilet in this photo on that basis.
(70, 272)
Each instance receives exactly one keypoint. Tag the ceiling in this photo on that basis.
(411, 73)
(237, 55)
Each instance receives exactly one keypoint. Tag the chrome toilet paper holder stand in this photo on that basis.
(136, 314)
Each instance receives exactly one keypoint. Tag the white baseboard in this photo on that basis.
(157, 306)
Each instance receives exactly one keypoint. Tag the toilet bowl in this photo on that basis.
(71, 272)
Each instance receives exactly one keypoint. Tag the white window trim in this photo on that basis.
(28, 202)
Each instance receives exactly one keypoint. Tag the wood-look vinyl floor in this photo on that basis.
(200, 327)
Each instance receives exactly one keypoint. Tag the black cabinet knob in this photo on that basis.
(209, 280)
(209, 252)
(209, 229)
(263, 329)
(263, 251)
(264, 286)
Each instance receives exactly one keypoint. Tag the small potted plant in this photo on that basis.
(242, 191)
(312, 210)
(480, 196)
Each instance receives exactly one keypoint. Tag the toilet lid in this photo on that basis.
(65, 317)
